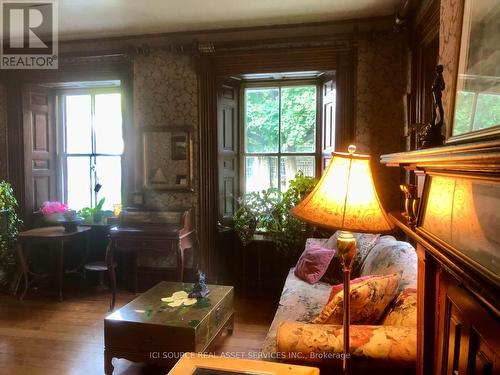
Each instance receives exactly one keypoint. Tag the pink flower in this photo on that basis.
(49, 208)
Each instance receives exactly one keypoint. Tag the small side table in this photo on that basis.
(52, 236)
(203, 364)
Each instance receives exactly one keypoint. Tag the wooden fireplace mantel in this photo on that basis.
(471, 157)
(458, 246)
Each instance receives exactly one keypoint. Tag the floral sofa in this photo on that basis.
(389, 347)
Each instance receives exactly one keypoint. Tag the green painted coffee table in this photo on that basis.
(148, 330)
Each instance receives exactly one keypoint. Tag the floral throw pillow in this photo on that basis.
(404, 311)
(369, 300)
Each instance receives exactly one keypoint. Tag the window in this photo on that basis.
(476, 111)
(279, 135)
(93, 147)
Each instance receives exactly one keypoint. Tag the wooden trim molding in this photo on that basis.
(208, 174)
(479, 156)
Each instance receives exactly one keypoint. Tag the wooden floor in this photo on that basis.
(42, 336)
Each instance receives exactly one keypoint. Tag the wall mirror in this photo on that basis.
(167, 158)
(477, 101)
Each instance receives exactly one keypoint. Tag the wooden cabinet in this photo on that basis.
(469, 334)
(459, 329)
(458, 257)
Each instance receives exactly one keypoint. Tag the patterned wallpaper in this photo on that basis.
(166, 95)
(3, 133)
(380, 113)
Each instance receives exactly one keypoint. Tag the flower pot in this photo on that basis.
(52, 219)
(97, 217)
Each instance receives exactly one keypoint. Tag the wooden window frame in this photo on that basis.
(214, 66)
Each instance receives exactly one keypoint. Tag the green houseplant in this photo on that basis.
(93, 215)
(9, 228)
(268, 211)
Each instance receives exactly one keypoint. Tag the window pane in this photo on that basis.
(463, 113)
(261, 119)
(79, 190)
(78, 124)
(108, 124)
(298, 119)
(261, 172)
(109, 172)
(290, 165)
(487, 111)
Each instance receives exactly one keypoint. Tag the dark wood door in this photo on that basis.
(228, 147)
(40, 149)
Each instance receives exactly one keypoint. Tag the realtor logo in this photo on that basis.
(28, 34)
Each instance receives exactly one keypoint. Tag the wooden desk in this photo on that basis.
(52, 236)
(198, 363)
(134, 236)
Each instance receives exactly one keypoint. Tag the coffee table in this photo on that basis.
(148, 330)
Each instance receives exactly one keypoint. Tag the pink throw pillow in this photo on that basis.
(313, 263)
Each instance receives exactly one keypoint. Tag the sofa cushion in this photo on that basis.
(404, 310)
(299, 302)
(364, 243)
(389, 347)
(389, 256)
(369, 300)
(313, 262)
(340, 287)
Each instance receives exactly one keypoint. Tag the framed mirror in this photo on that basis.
(167, 158)
(477, 101)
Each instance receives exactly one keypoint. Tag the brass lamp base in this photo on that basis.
(346, 245)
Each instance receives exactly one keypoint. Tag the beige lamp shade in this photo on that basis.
(345, 198)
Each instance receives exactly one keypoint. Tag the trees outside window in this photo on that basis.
(279, 134)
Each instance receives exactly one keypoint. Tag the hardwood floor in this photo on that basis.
(42, 336)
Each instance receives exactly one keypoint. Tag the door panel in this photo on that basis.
(469, 341)
(328, 115)
(40, 150)
(228, 158)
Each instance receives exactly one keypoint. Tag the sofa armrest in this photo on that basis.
(383, 346)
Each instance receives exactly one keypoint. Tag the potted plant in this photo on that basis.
(93, 215)
(53, 211)
(9, 228)
(268, 212)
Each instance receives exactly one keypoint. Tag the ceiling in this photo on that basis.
(85, 19)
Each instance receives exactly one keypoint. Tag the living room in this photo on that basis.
(226, 187)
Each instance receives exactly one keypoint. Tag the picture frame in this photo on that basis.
(477, 80)
(179, 147)
(167, 158)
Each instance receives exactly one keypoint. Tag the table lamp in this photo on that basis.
(345, 199)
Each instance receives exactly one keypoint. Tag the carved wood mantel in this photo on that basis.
(458, 248)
